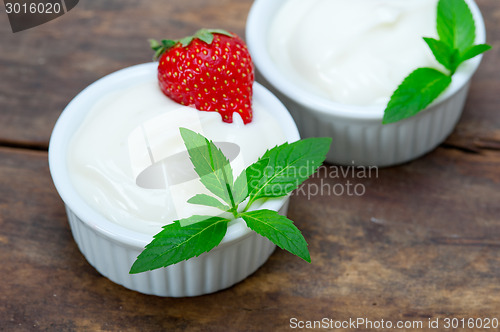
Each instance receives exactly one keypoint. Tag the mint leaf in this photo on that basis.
(249, 179)
(445, 55)
(193, 220)
(457, 32)
(416, 92)
(289, 165)
(280, 170)
(474, 51)
(455, 24)
(176, 243)
(211, 165)
(203, 199)
(278, 229)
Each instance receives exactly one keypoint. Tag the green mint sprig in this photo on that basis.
(457, 32)
(276, 174)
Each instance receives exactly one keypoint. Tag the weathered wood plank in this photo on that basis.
(423, 241)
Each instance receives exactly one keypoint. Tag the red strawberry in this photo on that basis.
(211, 71)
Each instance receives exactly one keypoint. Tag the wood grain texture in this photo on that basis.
(393, 253)
(423, 241)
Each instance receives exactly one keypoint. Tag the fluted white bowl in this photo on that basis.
(112, 248)
(359, 137)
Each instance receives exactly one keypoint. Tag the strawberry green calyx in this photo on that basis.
(206, 35)
(162, 47)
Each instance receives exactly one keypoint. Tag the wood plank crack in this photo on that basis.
(24, 145)
(472, 145)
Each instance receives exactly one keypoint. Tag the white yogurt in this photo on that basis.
(352, 51)
(130, 130)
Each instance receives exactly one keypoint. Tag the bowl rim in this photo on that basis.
(258, 21)
(75, 112)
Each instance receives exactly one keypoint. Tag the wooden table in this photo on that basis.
(423, 242)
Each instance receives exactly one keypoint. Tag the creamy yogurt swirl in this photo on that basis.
(352, 51)
(118, 156)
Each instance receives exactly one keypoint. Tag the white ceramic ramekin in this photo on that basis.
(112, 249)
(359, 138)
